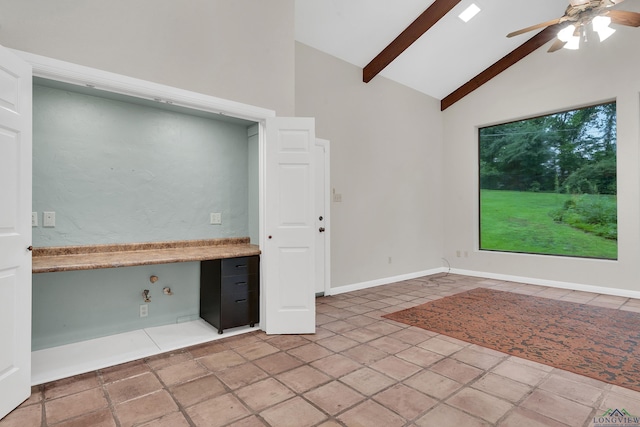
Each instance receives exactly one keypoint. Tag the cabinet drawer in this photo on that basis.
(239, 266)
(238, 310)
(239, 284)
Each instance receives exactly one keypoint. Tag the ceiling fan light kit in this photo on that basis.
(577, 17)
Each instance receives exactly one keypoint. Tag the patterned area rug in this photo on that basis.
(596, 342)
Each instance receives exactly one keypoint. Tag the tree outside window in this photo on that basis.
(548, 184)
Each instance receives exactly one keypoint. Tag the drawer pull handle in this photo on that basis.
(241, 300)
(241, 283)
(241, 266)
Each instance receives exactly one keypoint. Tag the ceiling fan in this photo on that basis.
(578, 15)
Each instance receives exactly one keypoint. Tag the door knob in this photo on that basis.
(30, 248)
(321, 229)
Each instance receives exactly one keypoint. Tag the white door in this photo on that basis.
(15, 231)
(289, 232)
(323, 245)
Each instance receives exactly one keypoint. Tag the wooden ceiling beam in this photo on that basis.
(428, 18)
(498, 67)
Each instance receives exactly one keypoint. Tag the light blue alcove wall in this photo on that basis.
(116, 171)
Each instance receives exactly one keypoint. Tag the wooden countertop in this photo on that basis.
(91, 257)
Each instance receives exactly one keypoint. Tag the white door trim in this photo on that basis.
(326, 145)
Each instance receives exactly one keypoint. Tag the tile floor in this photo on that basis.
(357, 370)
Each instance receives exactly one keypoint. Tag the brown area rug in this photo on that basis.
(596, 342)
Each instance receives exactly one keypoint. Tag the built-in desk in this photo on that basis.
(91, 257)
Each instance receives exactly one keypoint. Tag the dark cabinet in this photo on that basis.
(230, 292)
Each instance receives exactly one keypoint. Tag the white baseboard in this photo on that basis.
(384, 281)
(550, 283)
(519, 279)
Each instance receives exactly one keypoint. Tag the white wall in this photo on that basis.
(240, 50)
(386, 161)
(540, 84)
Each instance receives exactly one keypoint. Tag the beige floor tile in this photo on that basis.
(619, 399)
(412, 335)
(100, 418)
(334, 397)
(277, 363)
(256, 350)
(395, 367)
(339, 326)
(295, 412)
(480, 404)
(129, 388)
(557, 407)
(367, 381)
(433, 384)
(310, 352)
(578, 392)
(74, 405)
(168, 359)
(145, 408)
(389, 345)
(27, 416)
(251, 421)
(263, 394)
(385, 327)
(125, 370)
(369, 413)
(175, 419)
(207, 349)
(336, 365)
(70, 385)
(241, 375)
(503, 387)
(303, 378)
(420, 356)
(218, 411)
(197, 390)
(222, 360)
(479, 359)
(365, 354)
(405, 401)
(519, 372)
(440, 346)
(446, 416)
(337, 343)
(521, 417)
(182, 372)
(287, 342)
(457, 371)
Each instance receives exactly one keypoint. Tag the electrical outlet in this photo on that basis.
(215, 218)
(49, 219)
(144, 310)
(34, 219)
(337, 198)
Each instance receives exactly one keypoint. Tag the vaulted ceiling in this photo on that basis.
(450, 59)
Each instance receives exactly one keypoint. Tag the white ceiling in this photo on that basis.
(444, 58)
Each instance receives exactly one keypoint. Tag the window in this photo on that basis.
(548, 184)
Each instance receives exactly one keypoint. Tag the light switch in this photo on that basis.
(216, 218)
(34, 219)
(49, 219)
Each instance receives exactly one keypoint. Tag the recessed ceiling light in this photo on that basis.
(469, 12)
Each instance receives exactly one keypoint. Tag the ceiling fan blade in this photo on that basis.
(557, 45)
(624, 17)
(534, 27)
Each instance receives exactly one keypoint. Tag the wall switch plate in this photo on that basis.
(49, 219)
(216, 218)
(34, 219)
(144, 310)
(337, 197)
